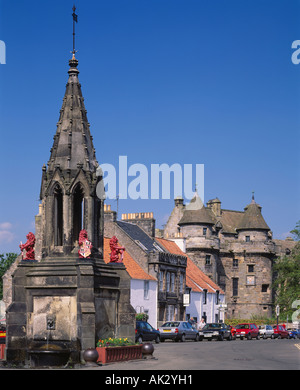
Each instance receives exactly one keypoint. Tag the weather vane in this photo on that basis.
(75, 20)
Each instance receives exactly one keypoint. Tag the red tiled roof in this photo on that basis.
(194, 276)
(189, 283)
(135, 271)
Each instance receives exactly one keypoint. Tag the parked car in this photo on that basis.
(178, 330)
(145, 332)
(215, 331)
(280, 332)
(266, 331)
(294, 333)
(247, 330)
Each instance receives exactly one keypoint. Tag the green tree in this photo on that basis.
(287, 281)
(296, 231)
(6, 261)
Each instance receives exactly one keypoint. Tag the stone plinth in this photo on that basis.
(67, 304)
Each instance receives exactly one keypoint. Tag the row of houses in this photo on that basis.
(165, 283)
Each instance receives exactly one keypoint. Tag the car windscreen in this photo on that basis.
(170, 324)
(212, 326)
(242, 326)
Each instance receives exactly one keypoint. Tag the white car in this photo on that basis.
(266, 331)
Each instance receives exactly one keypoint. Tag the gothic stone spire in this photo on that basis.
(68, 188)
(73, 143)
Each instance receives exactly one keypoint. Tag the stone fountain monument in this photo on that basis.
(64, 296)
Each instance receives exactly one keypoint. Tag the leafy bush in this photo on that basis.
(6, 261)
(258, 320)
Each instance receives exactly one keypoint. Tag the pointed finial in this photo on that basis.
(252, 201)
(75, 20)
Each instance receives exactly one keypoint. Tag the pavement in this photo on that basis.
(198, 356)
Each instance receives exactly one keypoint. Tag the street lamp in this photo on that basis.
(277, 312)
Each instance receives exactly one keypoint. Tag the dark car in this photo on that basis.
(294, 333)
(247, 330)
(178, 330)
(215, 331)
(280, 332)
(145, 332)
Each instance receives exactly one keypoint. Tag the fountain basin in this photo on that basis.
(44, 358)
(48, 356)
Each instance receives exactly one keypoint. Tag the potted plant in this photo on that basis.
(117, 349)
(141, 317)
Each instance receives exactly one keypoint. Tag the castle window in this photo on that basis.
(247, 238)
(204, 231)
(207, 260)
(235, 286)
(264, 287)
(250, 268)
(235, 263)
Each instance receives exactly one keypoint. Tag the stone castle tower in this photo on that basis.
(234, 248)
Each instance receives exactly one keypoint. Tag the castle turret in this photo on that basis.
(250, 268)
(252, 225)
(202, 244)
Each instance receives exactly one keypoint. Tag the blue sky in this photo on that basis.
(165, 81)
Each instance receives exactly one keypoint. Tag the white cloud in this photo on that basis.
(5, 226)
(6, 235)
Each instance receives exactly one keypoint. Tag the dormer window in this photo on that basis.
(141, 245)
(157, 247)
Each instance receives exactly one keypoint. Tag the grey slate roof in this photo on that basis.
(139, 235)
(201, 216)
(195, 212)
(231, 220)
(252, 218)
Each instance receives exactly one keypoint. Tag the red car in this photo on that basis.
(280, 332)
(247, 330)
